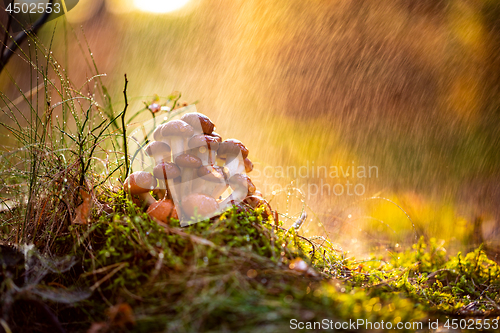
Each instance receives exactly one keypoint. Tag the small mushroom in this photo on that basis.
(158, 150)
(242, 187)
(213, 177)
(157, 136)
(254, 200)
(140, 183)
(163, 210)
(205, 147)
(176, 131)
(231, 150)
(165, 171)
(216, 135)
(248, 165)
(188, 164)
(199, 204)
(200, 122)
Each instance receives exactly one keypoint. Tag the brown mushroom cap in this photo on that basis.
(176, 128)
(241, 181)
(254, 200)
(230, 148)
(211, 173)
(139, 182)
(248, 165)
(196, 119)
(187, 161)
(216, 135)
(166, 170)
(163, 210)
(200, 204)
(157, 133)
(156, 148)
(202, 140)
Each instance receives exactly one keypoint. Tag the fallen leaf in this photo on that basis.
(82, 212)
(121, 315)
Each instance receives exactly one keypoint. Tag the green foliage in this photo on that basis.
(457, 285)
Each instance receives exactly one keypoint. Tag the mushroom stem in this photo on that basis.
(187, 176)
(147, 198)
(198, 184)
(177, 146)
(233, 166)
(173, 191)
(203, 154)
(209, 187)
(217, 192)
(237, 196)
(213, 156)
(240, 168)
(162, 188)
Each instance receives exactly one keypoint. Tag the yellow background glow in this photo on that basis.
(159, 6)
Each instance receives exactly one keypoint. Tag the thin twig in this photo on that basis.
(108, 276)
(8, 51)
(7, 29)
(124, 129)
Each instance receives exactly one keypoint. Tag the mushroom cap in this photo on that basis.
(211, 173)
(241, 181)
(166, 170)
(163, 210)
(156, 148)
(248, 165)
(254, 200)
(139, 182)
(215, 134)
(196, 120)
(176, 128)
(157, 133)
(202, 140)
(200, 204)
(188, 161)
(230, 148)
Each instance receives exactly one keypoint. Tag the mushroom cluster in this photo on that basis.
(194, 170)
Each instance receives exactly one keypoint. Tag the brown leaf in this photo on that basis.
(121, 315)
(82, 212)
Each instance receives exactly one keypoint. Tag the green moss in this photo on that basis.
(233, 273)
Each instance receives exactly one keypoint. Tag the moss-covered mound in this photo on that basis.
(241, 272)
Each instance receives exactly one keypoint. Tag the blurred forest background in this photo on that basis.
(411, 87)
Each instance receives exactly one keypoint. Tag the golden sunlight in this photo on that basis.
(159, 6)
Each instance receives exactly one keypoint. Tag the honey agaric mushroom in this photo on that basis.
(157, 136)
(255, 199)
(216, 135)
(213, 177)
(199, 204)
(158, 150)
(200, 122)
(188, 164)
(242, 187)
(230, 151)
(205, 147)
(163, 210)
(140, 183)
(248, 165)
(164, 171)
(176, 131)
